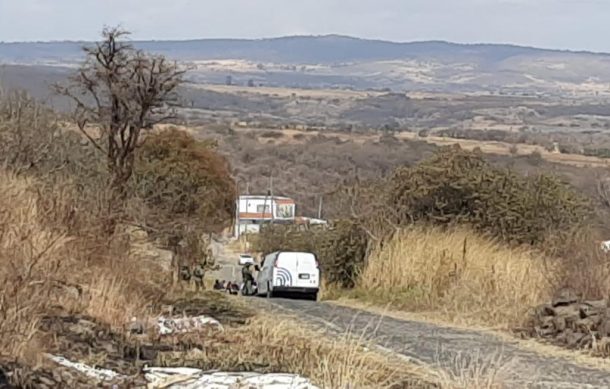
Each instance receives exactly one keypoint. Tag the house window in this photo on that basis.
(286, 211)
(263, 208)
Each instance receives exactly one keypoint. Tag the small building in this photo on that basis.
(252, 211)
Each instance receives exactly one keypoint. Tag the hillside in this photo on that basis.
(345, 62)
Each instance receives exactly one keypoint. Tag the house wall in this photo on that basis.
(258, 208)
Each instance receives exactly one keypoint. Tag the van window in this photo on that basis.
(286, 260)
(304, 261)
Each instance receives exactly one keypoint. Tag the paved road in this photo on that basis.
(445, 348)
(229, 270)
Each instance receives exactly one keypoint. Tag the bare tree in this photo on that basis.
(119, 92)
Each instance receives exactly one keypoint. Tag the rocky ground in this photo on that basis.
(573, 323)
(124, 353)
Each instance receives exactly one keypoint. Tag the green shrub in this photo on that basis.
(456, 186)
(184, 182)
(341, 248)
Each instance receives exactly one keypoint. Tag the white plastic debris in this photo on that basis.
(187, 378)
(99, 374)
(187, 324)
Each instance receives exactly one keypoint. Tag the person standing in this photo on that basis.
(198, 273)
(248, 280)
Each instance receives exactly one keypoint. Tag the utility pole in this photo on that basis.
(248, 187)
(271, 183)
(271, 194)
(236, 226)
(320, 208)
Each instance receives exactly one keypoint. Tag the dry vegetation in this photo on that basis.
(463, 276)
(281, 345)
(70, 286)
(38, 265)
(459, 239)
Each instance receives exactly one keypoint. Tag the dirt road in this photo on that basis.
(453, 351)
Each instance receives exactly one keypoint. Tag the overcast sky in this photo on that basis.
(566, 24)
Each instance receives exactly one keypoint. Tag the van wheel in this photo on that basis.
(269, 291)
(313, 296)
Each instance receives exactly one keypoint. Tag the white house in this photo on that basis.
(254, 210)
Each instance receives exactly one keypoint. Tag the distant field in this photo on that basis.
(294, 136)
(289, 92)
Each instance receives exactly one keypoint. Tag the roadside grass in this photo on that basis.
(48, 271)
(45, 270)
(459, 275)
(283, 344)
(471, 371)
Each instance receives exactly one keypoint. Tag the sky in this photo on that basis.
(560, 24)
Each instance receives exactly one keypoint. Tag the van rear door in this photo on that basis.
(307, 271)
(285, 271)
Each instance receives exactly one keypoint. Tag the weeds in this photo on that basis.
(466, 277)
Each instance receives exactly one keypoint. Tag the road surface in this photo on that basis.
(447, 349)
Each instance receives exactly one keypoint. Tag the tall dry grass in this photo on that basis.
(281, 344)
(465, 277)
(30, 260)
(46, 269)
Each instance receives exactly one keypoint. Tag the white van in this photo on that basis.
(285, 271)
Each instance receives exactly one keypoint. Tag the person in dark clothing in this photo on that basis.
(218, 285)
(248, 280)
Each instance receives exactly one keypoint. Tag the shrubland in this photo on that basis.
(459, 236)
(70, 285)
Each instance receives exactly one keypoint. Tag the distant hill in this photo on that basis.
(296, 49)
(334, 61)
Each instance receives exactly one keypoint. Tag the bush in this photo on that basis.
(456, 186)
(469, 278)
(341, 249)
(184, 183)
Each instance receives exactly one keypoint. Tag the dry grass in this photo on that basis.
(46, 271)
(282, 344)
(465, 277)
(472, 371)
(346, 360)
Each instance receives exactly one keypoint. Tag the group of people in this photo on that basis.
(196, 274)
(248, 283)
(227, 286)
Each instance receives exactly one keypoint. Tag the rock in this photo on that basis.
(603, 346)
(565, 296)
(593, 308)
(567, 311)
(587, 324)
(148, 353)
(597, 304)
(545, 332)
(559, 323)
(542, 310)
(585, 342)
(604, 327)
(573, 338)
(167, 326)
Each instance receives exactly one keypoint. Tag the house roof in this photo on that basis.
(277, 199)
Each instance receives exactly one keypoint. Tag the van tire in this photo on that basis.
(313, 296)
(269, 291)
